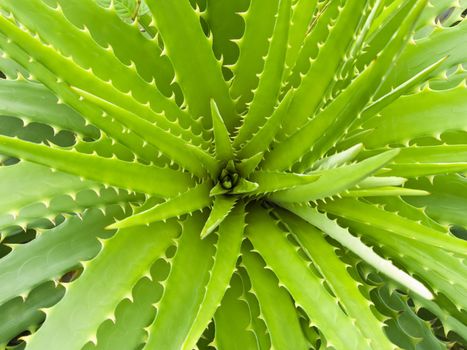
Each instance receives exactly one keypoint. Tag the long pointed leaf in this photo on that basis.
(253, 46)
(184, 289)
(194, 199)
(343, 285)
(339, 114)
(188, 156)
(133, 176)
(276, 305)
(197, 70)
(440, 111)
(230, 236)
(62, 90)
(333, 181)
(294, 273)
(343, 236)
(34, 103)
(131, 253)
(353, 209)
(313, 86)
(233, 320)
(109, 75)
(269, 182)
(270, 79)
(224, 150)
(222, 206)
(261, 140)
(67, 244)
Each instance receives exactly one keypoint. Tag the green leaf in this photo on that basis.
(403, 208)
(261, 140)
(449, 322)
(378, 181)
(134, 313)
(434, 9)
(317, 31)
(36, 132)
(185, 154)
(424, 169)
(125, 259)
(67, 245)
(133, 176)
(105, 147)
(421, 53)
(127, 9)
(221, 207)
(276, 305)
(338, 159)
(19, 189)
(270, 181)
(318, 78)
(294, 273)
(334, 181)
(336, 118)
(244, 186)
(184, 288)
(34, 103)
(230, 236)
(10, 68)
(354, 244)
(233, 320)
(302, 14)
(194, 199)
(101, 73)
(224, 150)
(385, 191)
(248, 165)
(348, 71)
(358, 211)
(63, 91)
(26, 204)
(447, 203)
(383, 27)
(449, 79)
(400, 122)
(226, 25)
(253, 45)
(432, 154)
(440, 269)
(271, 77)
(197, 70)
(335, 273)
(19, 315)
(405, 328)
(46, 212)
(403, 89)
(258, 326)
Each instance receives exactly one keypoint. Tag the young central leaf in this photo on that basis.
(229, 177)
(228, 180)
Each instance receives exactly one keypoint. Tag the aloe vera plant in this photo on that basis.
(252, 174)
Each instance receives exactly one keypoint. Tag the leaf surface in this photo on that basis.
(184, 288)
(230, 236)
(133, 176)
(294, 273)
(130, 253)
(197, 70)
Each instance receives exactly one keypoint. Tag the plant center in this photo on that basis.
(228, 179)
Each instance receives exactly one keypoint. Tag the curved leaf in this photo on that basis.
(133, 176)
